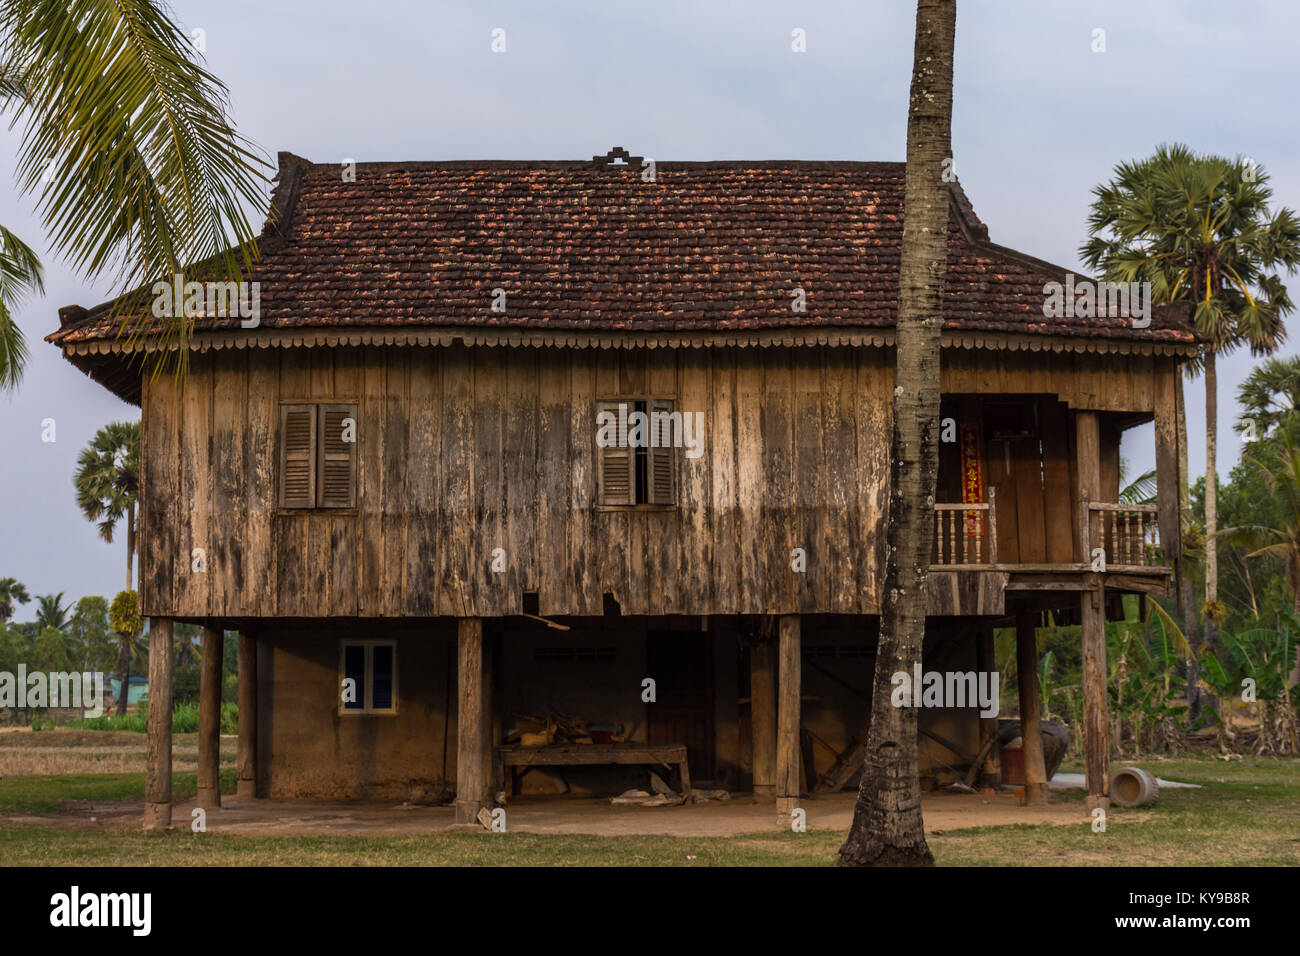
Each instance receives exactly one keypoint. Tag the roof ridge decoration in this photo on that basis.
(614, 155)
(284, 200)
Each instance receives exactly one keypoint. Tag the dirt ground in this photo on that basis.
(567, 814)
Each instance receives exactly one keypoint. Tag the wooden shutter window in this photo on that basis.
(614, 471)
(297, 456)
(338, 458)
(663, 458)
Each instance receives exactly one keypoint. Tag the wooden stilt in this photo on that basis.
(1031, 734)
(790, 684)
(158, 754)
(990, 775)
(209, 797)
(472, 729)
(762, 703)
(246, 759)
(1096, 737)
(1096, 733)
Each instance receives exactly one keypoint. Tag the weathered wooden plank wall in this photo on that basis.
(1105, 383)
(463, 451)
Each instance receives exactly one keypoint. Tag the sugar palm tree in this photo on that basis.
(1201, 231)
(107, 483)
(1270, 393)
(11, 594)
(126, 144)
(125, 620)
(887, 828)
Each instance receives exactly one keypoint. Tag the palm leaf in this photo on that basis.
(20, 274)
(1170, 629)
(127, 142)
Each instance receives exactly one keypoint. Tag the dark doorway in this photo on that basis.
(681, 663)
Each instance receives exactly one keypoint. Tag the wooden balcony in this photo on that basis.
(1119, 541)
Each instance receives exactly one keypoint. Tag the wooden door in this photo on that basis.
(681, 663)
(1013, 443)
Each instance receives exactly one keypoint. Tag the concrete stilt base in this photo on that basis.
(209, 798)
(246, 788)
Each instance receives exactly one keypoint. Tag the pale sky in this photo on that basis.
(1038, 119)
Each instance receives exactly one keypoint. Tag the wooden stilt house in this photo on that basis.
(417, 485)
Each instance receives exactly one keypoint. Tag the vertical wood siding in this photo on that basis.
(462, 451)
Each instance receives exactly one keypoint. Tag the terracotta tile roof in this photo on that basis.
(590, 246)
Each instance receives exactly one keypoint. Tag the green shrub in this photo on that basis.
(185, 720)
(230, 717)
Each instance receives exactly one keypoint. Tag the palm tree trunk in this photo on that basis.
(887, 827)
(1191, 619)
(124, 669)
(130, 547)
(1211, 496)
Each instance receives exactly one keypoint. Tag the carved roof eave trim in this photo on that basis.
(564, 338)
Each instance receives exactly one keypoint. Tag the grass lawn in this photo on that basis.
(1247, 814)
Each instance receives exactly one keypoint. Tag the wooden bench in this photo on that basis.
(511, 757)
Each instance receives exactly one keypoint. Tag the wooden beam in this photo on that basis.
(762, 705)
(158, 754)
(209, 797)
(472, 743)
(790, 684)
(246, 759)
(1031, 732)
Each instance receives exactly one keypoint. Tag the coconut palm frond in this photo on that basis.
(20, 275)
(126, 141)
(1141, 490)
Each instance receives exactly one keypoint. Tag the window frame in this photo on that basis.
(598, 459)
(318, 457)
(367, 707)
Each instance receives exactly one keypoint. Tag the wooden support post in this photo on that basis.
(1087, 449)
(1031, 733)
(491, 725)
(790, 684)
(210, 719)
(472, 743)
(990, 775)
(1096, 736)
(158, 755)
(762, 706)
(246, 759)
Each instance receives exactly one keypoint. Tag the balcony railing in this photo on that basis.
(1129, 535)
(966, 534)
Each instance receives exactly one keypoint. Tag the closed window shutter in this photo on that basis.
(614, 473)
(662, 458)
(297, 456)
(338, 458)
